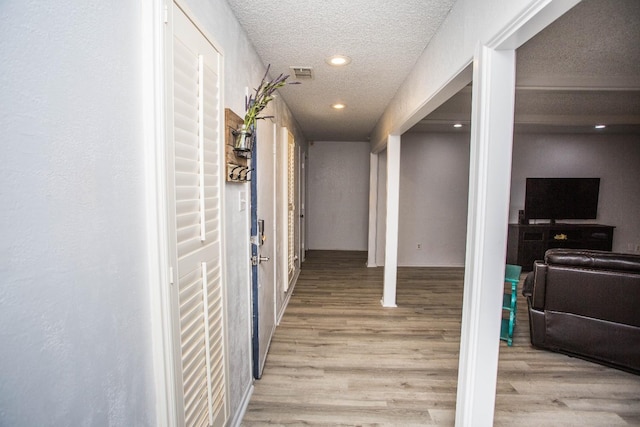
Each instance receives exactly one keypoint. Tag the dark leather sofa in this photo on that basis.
(587, 304)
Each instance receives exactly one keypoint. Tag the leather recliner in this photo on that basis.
(587, 304)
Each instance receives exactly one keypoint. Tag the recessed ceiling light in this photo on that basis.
(600, 126)
(457, 125)
(338, 60)
(338, 106)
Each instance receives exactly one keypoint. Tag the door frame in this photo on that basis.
(154, 123)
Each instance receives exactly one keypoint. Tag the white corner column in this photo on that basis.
(393, 208)
(489, 184)
(373, 209)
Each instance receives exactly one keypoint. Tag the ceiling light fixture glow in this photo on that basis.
(457, 125)
(338, 60)
(600, 126)
(338, 106)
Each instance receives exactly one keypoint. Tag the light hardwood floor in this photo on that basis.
(339, 358)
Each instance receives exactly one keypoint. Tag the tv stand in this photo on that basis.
(528, 242)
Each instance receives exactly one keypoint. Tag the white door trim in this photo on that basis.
(154, 118)
(489, 185)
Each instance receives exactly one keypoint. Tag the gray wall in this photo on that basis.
(615, 159)
(74, 294)
(338, 194)
(434, 187)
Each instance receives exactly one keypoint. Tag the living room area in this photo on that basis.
(577, 115)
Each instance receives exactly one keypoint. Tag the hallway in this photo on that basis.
(339, 358)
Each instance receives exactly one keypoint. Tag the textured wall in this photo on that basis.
(434, 185)
(75, 334)
(612, 158)
(338, 192)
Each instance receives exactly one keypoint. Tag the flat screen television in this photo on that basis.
(561, 198)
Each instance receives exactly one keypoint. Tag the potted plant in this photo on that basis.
(254, 105)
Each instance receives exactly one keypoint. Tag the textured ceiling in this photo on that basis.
(581, 70)
(597, 43)
(383, 38)
(584, 67)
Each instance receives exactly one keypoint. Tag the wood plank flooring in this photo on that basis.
(340, 358)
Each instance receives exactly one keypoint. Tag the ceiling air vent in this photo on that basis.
(302, 73)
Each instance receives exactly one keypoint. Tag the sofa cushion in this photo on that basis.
(595, 293)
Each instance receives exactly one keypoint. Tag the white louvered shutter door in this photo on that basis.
(291, 185)
(197, 180)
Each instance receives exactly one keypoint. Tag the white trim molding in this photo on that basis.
(393, 209)
(489, 184)
(373, 210)
(154, 115)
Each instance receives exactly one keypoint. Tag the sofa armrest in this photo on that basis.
(538, 290)
(527, 286)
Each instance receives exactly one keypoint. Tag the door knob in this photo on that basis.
(257, 260)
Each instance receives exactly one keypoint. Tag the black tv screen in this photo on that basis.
(561, 198)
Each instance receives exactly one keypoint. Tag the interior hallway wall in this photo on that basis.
(338, 194)
(75, 295)
(75, 309)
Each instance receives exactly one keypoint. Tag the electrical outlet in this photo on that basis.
(419, 245)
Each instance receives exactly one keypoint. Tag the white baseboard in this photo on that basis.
(288, 297)
(237, 419)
